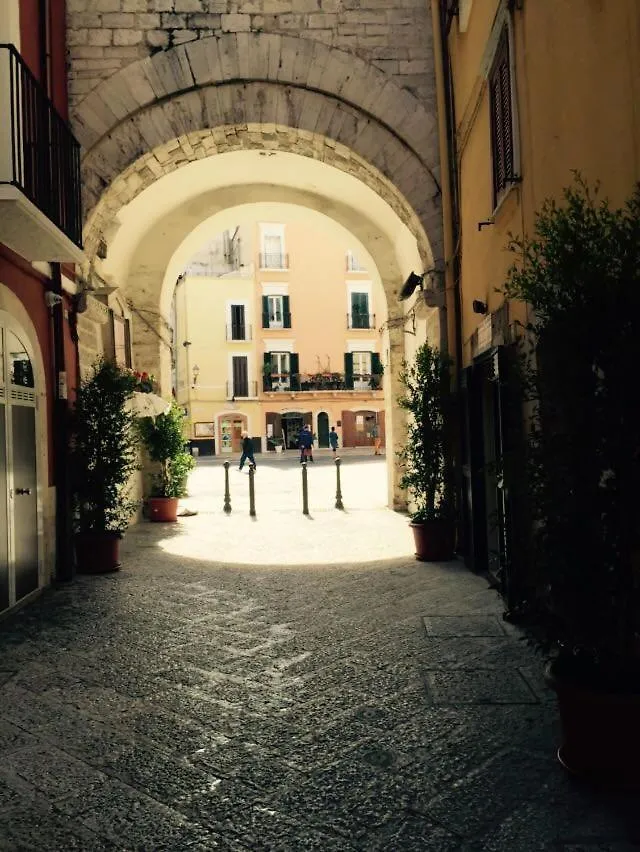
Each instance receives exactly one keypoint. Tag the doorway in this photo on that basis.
(19, 546)
(292, 424)
(323, 429)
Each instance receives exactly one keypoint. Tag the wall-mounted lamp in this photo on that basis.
(433, 296)
(410, 285)
(196, 373)
(186, 343)
(479, 307)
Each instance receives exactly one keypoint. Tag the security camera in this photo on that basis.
(52, 298)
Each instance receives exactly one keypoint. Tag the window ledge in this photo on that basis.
(506, 193)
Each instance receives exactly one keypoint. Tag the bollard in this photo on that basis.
(227, 495)
(305, 490)
(252, 491)
(339, 504)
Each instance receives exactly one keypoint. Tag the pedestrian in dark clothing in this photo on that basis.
(247, 451)
(333, 439)
(305, 442)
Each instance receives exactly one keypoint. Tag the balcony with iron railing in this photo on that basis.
(274, 260)
(40, 206)
(362, 321)
(242, 390)
(239, 331)
(318, 382)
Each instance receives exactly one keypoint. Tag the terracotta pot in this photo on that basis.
(163, 509)
(97, 552)
(434, 540)
(601, 735)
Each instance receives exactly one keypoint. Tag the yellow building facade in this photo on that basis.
(529, 93)
(275, 328)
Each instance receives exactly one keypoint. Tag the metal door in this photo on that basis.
(4, 506)
(24, 499)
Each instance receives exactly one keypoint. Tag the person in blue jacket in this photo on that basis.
(247, 451)
(305, 442)
(333, 439)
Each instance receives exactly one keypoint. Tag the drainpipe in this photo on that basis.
(441, 21)
(65, 567)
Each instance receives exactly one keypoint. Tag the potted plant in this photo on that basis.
(163, 437)
(580, 273)
(104, 456)
(423, 458)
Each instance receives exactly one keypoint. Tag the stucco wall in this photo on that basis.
(577, 77)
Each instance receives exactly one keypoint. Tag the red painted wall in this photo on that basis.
(29, 286)
(46, 59)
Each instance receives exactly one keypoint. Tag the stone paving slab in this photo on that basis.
(188, 704)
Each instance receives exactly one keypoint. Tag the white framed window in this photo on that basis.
(272, 247)
(276, 311)
(353, 264)
(237, 325)
(280, 370)
(359, 305)
(361, 370)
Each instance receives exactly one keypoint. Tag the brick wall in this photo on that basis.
(106, 35)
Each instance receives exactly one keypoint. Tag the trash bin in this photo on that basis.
(195, 452)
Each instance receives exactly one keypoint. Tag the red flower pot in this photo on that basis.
(434, 540)
(97, 552)
(163, 509)
(600, 730)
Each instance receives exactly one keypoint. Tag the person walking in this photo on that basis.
(333, 439)
(247, 451)
(375, 434)
(305, 442)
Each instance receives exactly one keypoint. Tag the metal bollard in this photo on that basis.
(227, 495)
(339, 503)
(252, 491)
(305, 490)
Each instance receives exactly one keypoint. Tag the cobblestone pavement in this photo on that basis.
(192, 704)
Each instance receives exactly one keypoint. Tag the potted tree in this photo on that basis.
(423, 457)
(163, 437)
(104, 456)
(580, 273)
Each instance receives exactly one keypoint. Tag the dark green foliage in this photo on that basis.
(163, 438)
(425, 476)
(581, 275)
(104, 451)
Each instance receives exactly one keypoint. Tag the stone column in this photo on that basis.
(395, 418)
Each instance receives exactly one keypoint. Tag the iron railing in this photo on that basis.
(274, 260)
(302, 382)
(239, 331)
(361, 320)
(242, 390)
(43, 157)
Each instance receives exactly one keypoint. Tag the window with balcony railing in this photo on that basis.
(274, 260)
(353, 264)
(361, 320)
(38, 153)
(239, 331)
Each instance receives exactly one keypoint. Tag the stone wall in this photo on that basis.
(106, 35)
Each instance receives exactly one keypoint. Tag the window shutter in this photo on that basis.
(266, 376)
(348, 370)
(286, 315)
(501, 115)
(294, 366)
(265, 312)
(375, 364)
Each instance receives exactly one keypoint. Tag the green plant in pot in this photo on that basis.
(426, 474)
(163, 438)
(580, 273)
(104, 456)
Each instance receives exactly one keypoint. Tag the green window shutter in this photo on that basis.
(348, 370)
(375, 364)
(286, 313)
(294, 366)
(265, 312)
(266, 373)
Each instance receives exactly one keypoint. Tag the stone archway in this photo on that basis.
(200, 102)
(241, 85)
